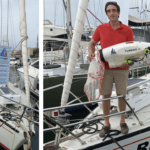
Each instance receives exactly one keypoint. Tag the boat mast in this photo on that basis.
(78, 30)
(23, 34)
(7, 21)
(37, 42)
(69, 23)
(1, 22)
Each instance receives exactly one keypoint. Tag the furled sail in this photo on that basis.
(79, 25)
(23, 34)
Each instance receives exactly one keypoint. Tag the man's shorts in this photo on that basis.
(119, 77)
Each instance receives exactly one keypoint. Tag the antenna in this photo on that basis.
(37, 41)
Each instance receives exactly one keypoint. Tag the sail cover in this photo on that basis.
(78, 30)
(133, 21)
(4, 64)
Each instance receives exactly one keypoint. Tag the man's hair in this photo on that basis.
(112, 3)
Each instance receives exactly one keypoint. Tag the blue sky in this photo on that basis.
(32, 18)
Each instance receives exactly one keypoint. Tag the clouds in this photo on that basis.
(32, 18)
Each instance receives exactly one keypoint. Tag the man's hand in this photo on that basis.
(125, 65)
(91, 50)
(91, 56)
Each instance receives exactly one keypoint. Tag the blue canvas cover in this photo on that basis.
(5, 52)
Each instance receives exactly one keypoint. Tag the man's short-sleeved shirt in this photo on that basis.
(108, 37)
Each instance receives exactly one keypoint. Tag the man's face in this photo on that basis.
(112, 13)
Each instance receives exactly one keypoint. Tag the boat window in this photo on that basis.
(56, 45)
(63, 36)
(51, 66)
(85, 37)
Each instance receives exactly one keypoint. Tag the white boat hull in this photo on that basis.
(138, 140)
(14, 134)
(138, 137)
(33, 77)
(11, 139)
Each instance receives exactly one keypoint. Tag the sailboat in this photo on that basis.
(56, 37)
(85, 135)
(16, 114)
(55, 82)
(15, 128)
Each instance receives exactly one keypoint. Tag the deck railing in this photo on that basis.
(60, 126)
(25, 107)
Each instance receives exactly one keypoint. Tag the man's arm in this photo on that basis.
(91, 50)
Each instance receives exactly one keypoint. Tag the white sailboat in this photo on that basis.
(56, 36)
(16, 115)
(86, 134)
(33, 70)
(14, 62)
(14, 126)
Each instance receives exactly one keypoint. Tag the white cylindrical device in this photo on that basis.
(116, 54)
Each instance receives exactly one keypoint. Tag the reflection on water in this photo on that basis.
(14, 78)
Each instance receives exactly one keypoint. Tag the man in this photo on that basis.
(110, 34)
